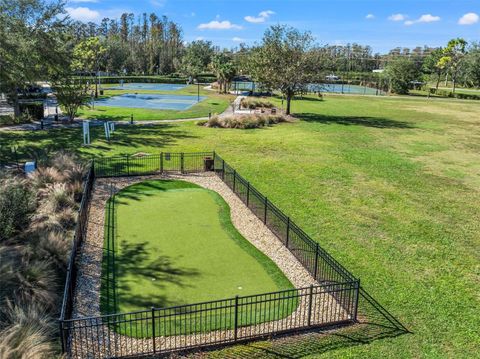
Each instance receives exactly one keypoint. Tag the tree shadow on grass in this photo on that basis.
(137, 261)
(376, 122)
(374, 323)
(40, 144)
(139, 191)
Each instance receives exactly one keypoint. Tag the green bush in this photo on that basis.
(449, 93)
(17, 203)
(34, 110)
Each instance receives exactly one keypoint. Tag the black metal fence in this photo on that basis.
(164, 162)
(333, 301)
(79, 236)
(321, 265)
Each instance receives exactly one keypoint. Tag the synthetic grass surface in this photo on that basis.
(175, 244)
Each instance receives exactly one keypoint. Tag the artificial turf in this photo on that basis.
(175, 244)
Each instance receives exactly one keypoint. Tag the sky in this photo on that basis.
(382, 24)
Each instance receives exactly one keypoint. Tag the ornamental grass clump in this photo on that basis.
(254, 103)
(248, 121)
(38, 214)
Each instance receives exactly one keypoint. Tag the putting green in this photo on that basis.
(175, 244)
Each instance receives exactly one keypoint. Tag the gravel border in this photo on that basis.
(87, 294)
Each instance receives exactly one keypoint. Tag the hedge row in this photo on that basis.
(154, 79)
(459, 95)
(32, 109)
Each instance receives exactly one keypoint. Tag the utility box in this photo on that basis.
(208, 164)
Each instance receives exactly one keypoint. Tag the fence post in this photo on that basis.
(153, 330)
(236, 319)
(310, 302)
(248, 193)
(181, 163)
(234, 179)
(62, 335)
(316, 261)
(265, 214)
(357, 294)
(128, 167)
(288, 232)
(161, 162)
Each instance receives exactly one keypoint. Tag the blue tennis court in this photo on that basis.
(151, 101)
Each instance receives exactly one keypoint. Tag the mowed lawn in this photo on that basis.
(214, 103)
(389, 186)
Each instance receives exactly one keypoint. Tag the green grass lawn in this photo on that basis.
(389, 186)
(175, 244)
(214, 103)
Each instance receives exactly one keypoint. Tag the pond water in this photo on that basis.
(147, 86)
(151, 101)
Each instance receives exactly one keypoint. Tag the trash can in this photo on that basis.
(101, 92)
(30, 167)
(208, 164)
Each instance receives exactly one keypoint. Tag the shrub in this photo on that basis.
(244, 121)
(33, 110)
(27, 334)
(54, 247)
(17, 204)
(459, 95)
(253, 103)
(45, 176)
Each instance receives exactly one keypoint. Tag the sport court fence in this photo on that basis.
(334, 301)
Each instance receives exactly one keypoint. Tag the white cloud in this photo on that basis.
(199, 38)
(469, 19)
(425, 19)
(83, 14)
(397, 17)
(219, 25)
(370, 17)
(158, 3)
(262, 17)
(238, 39)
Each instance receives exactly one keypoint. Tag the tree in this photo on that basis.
(32, 44)
(224, 68)
(283, 61)
(196, 58)
(400, 72)
(87, 56)
(452, 58)
(71, 95)
(472, 64)
(432, 66)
